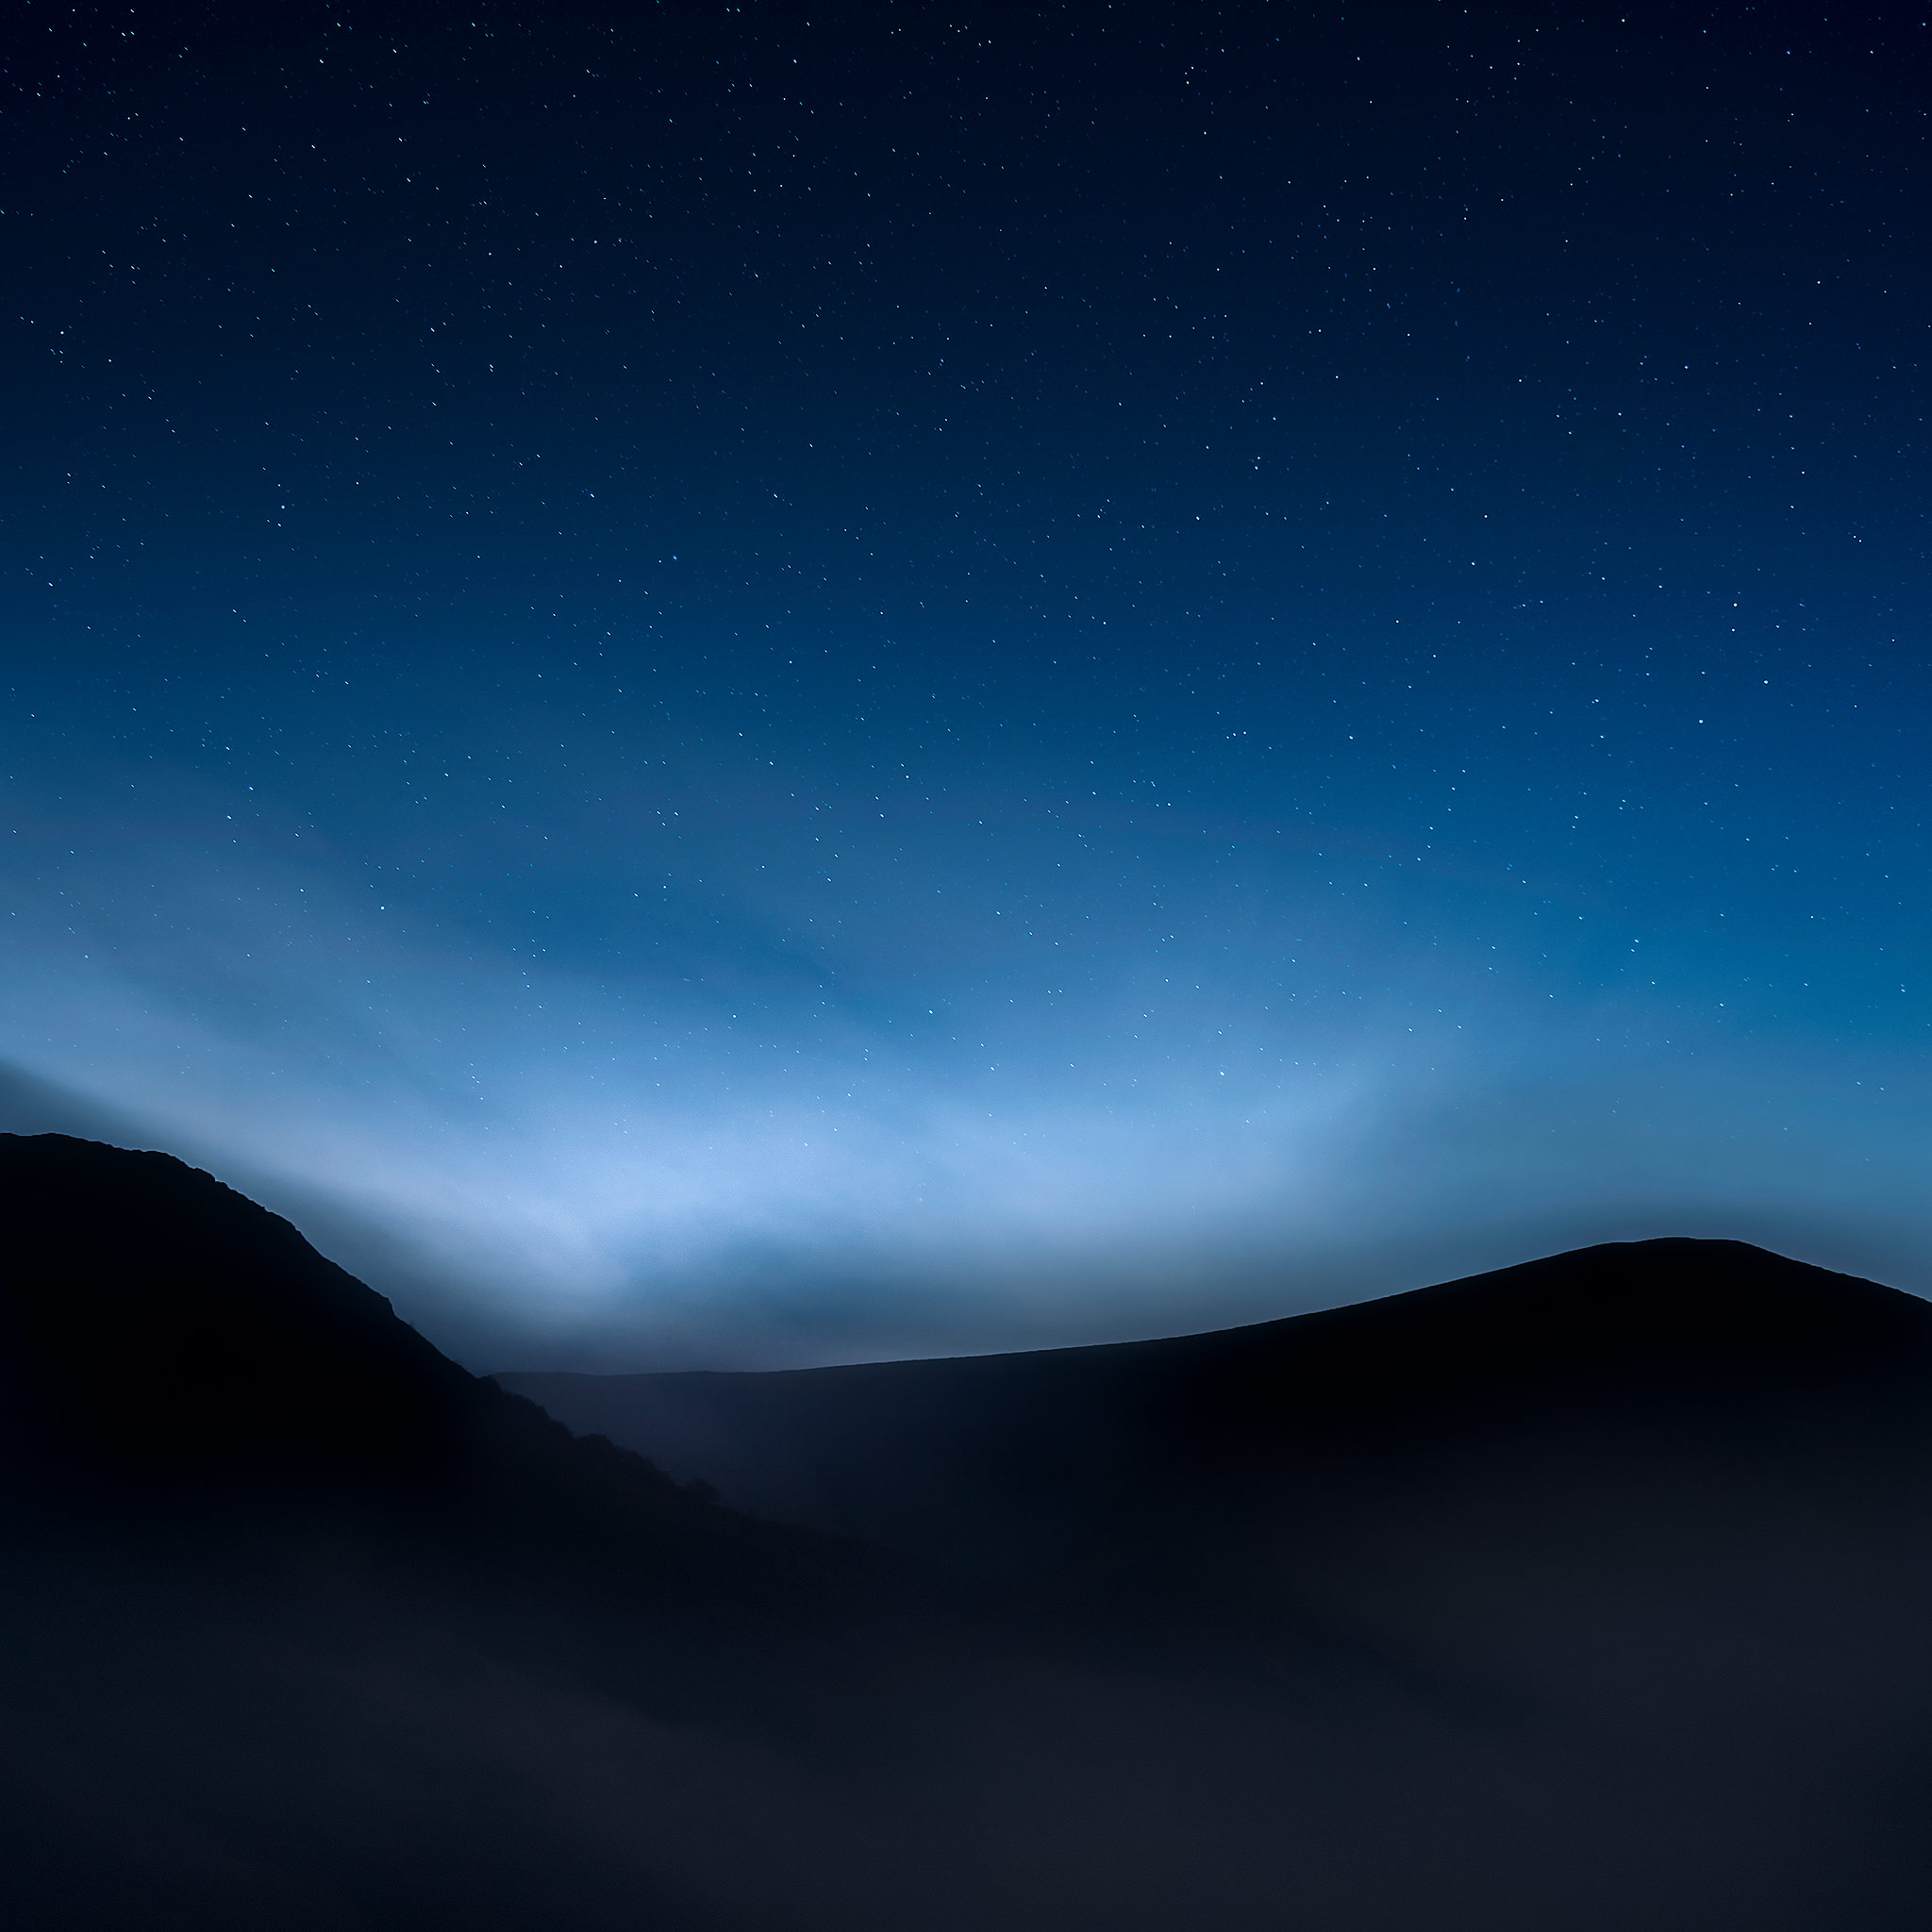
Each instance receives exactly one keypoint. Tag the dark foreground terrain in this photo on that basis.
(1591, 1594)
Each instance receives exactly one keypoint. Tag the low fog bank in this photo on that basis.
(183, 1759)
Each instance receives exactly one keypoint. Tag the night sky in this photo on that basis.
(746, 685)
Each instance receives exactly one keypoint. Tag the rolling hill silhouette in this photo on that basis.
(1555, 1383)
(1588, 1593)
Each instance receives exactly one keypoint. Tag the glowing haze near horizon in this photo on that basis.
(726, 690)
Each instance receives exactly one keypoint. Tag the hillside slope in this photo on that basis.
(1583, 1595)
(1588, 1369)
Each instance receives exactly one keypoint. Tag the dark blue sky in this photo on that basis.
(748, 685)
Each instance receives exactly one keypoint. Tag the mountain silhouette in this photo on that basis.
(1591, 1593)
(139, 1335)
(1587, 1366)
(166, 1343)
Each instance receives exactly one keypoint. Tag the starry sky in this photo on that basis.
(740, 685)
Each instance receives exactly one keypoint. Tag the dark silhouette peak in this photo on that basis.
(130, 1211)
(1672, 1305)
(164, 1338)
(152, 1315)
(1682, 1283)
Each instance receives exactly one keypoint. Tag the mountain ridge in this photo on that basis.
(191, 1351)
(1700, 1334)
(1454, 1617)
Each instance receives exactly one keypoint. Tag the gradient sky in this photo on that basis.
(743, 685)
